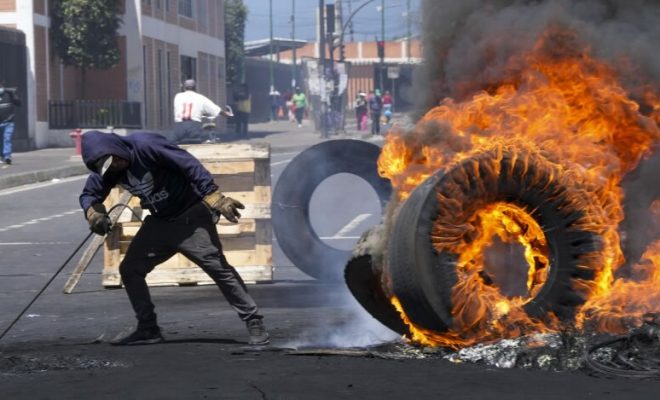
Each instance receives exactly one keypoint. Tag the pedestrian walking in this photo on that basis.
(375, 108)
(275, 103)
(183, 201)
(300, 103)
(288, 106)
(8, 102)
(387, 106)
(243, 101)
(360, 105)
(190, 108)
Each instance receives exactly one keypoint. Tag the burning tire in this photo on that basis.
(438, 218)
(293, 192)
(365, 284)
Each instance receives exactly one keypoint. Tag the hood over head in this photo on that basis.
(96, 144)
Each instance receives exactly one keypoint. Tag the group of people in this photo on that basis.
(8, 103)
(292, 104)
(372, 106)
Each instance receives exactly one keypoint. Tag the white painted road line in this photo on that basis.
(40, 185)
(32, 243)
(352, 225)
(281, 162)
(36, 220)
(284, 154)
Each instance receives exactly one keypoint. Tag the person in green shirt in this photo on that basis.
(299, 104)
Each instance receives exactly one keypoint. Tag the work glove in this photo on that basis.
(98, 218)
(226, 206)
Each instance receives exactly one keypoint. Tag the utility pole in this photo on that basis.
(270, 64)
(408, 21)
(350, 13)
(293, 44)
(322, 86)
(340, 22)
(382, 37)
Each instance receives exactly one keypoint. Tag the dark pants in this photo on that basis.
(242, 119)
(375, 123)
(194, 235)
(188, 132)
(300, 112)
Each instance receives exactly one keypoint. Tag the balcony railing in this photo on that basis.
(88, 114)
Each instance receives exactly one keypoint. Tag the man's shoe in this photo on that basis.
(140, 336)
(257, 331)
(8, 161)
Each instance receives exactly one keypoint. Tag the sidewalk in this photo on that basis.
(56, 163)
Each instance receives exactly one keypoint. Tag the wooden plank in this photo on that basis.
(231, 167)
(234, 183)
(233, 151)
(226, 229)
(250, 274)
(86, 258)
(245, 226)
(238, 243)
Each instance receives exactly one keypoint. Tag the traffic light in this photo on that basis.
(381, 49)
(330, 19)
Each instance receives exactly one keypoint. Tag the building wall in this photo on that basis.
(167, 36)
(152, 37)
(364, 52)
(7, 5)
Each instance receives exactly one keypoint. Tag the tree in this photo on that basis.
(84, 34)
(235, 16)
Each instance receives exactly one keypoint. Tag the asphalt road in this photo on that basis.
(59, 350)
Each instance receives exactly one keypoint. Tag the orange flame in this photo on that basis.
(571, 109)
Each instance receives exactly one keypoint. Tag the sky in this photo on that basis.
(366, 23)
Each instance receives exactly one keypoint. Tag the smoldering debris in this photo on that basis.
(553, 351)
(27, 364)
(636, 355)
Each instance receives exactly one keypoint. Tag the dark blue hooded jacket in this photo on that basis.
(167, 179)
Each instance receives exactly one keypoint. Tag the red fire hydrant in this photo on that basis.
(76, 134)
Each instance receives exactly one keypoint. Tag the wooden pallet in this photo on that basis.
(242, 171)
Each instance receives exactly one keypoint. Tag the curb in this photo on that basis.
(26, 178)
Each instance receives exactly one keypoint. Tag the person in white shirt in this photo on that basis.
(190, 108)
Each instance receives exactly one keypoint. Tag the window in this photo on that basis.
(203, 14)
(188, 68)
(186, 8)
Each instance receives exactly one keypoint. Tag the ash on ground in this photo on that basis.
(24, 364)
(550, 351)
(558, 352)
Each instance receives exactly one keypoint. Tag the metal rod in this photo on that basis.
(324, 106)
(408, 19)
(58, 272)
(382, 37)
(46, 286)
(270, 64)
(293, 44)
